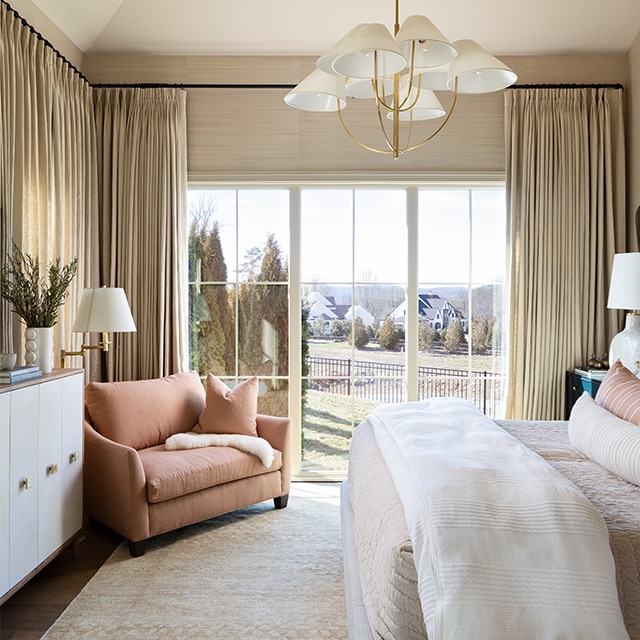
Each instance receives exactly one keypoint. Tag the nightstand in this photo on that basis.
(575, 386)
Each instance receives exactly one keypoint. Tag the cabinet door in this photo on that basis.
(23, 483)
(49, 468)
(5, 409)
(72, 439)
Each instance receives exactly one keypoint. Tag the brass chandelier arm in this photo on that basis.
(442, 124)
(398, 151)
(353, 137)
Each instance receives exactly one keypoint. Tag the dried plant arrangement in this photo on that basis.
(35, 298)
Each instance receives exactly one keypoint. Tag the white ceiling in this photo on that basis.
(507, 27)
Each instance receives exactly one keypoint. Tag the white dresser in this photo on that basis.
(40, 473)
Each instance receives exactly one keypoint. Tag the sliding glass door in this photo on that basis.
(343, 298)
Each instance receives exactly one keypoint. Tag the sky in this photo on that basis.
(377, 216)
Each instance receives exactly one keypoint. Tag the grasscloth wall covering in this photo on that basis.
(566, 196)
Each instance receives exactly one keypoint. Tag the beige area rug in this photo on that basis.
(256, 574)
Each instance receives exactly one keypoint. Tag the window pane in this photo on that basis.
(489, 235)
(212, 235)
(327, 235)
(212, 329)
(263, 329)
(263, 223)
(443, 231)
(380, 236)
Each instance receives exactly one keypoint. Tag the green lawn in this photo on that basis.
(328, 428)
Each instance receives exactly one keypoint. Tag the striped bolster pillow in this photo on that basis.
(608, 440)
(619, 393)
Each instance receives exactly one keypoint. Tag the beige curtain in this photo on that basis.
(141, 143)
(48, 171)
(566, 196)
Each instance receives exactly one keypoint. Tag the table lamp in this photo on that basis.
(624, 293)
(105, 310)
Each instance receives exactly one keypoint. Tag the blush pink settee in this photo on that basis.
(137, 487)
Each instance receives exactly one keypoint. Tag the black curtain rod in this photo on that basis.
(566, 86)
(155, 85)
(44, 40)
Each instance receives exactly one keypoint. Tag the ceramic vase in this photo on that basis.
(39, 348)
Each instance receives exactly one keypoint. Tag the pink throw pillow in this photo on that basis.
(229, 410)
(619, 393)
(144, 413)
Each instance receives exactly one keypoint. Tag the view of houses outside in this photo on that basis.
(354, 278)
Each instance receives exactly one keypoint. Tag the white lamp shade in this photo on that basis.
(362, 88)
(104, 310)
(477, 70)
(319, 91)
(624, 290)
(426, 107)
(434, 78)
(325, 61)
(371, 49)
(432, 49)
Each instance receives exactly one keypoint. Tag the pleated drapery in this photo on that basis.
(565, 169)
(48, 172)
(142, 164)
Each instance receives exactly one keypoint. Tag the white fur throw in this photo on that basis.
(250, 444)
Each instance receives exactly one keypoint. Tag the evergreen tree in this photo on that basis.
(455, 336)
(427, 335)
(481, 334)
(389, 335)
(359, 336)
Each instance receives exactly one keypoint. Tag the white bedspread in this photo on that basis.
(505, 547)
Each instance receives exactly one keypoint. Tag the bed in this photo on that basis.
(385, 557)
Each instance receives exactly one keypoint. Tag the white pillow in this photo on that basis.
(608, 440)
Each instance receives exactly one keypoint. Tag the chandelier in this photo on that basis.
(400, 74)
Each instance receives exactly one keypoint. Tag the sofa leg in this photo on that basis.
(137, 549)
(281, 501)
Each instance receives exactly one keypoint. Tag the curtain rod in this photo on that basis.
(160, 85)
(566, 86)
(44, 40)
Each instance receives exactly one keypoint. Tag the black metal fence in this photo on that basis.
(384, 382)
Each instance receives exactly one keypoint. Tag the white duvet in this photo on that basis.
(505, 547)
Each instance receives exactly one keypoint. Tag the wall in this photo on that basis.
(253, 133)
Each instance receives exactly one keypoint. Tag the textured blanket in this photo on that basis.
(250, 444)
(505, 547)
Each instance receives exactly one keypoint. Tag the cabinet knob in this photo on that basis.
(73, 457)
(26, 483)
(52, 469)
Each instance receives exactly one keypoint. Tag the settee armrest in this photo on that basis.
(115, 491)
(277, 431)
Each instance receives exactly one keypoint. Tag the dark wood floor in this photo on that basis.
(31, 611)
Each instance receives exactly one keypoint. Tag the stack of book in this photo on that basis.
(20, 374)
(594, 374)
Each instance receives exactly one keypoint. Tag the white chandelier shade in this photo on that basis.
(477, 70)
(432, 50)
(362, 87)
(370, 53)
(424, 106)
(320, 92)
(370, 63)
